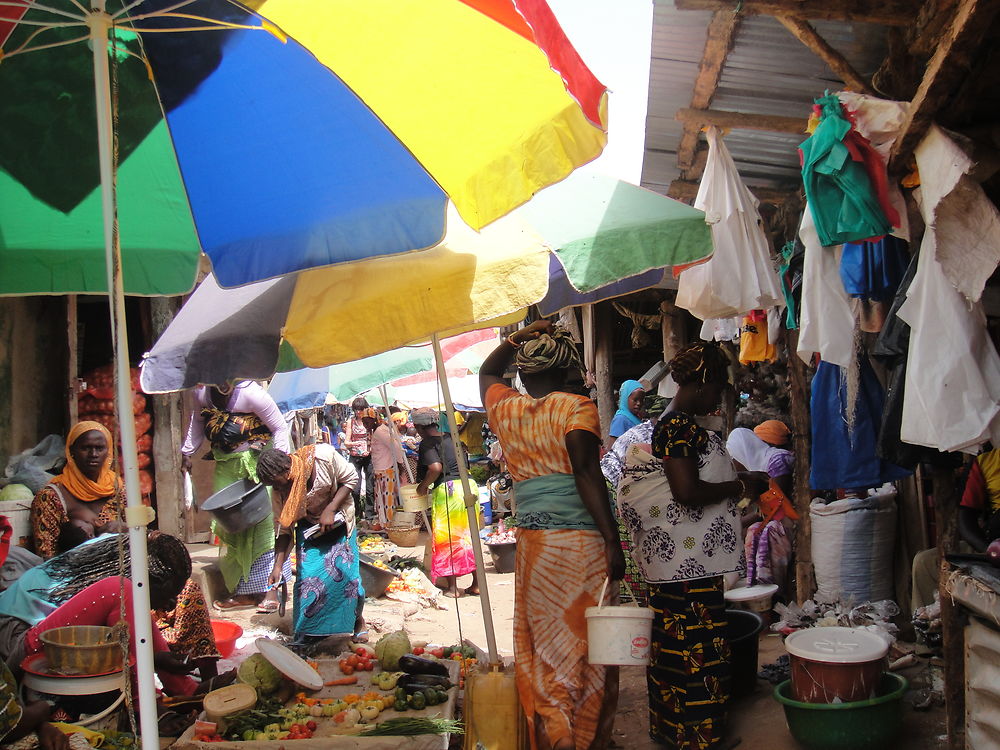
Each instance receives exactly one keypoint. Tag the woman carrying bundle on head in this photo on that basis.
(567, 540)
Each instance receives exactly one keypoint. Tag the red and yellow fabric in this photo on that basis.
(982, 488)
(533, 430)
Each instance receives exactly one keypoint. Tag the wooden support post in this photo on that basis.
(673, 329)
(805, 33)
(885, 13)
(952, 61)
(741, 120)
(602, 371)
(168, 431)
(718, 42)
(952, 625)
(72, 361)
(805, 576)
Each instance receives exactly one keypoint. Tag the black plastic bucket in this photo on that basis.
(504, 556)
(743, 630)
(240, 505)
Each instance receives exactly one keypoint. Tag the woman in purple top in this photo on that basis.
(239, 420)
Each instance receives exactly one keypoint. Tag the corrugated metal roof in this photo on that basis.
(767, 71)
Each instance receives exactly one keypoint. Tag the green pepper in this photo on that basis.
(442, 696)
(400, 704)
(400, 694)
(418, 702)
(430, 696)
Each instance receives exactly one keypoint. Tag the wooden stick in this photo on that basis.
(742, 121)
(885, 13)
(805, 33)
(952, 632)
(805, 576)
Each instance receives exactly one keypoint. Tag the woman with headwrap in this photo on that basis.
(86, 500)
(239, 419)
(679, 502)
(437, 473)
(313, 485)
(567, 540)
(386, 454)
(629, 412)
(84, 587)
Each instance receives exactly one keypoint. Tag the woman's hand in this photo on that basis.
(50, 738)
(168, 661)
(111, 527)
(327, 518)
(422, 488)
(532, 331)
(616, 559)
(274, 579)
(756, 483)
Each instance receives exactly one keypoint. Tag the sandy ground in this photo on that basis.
(758, 719)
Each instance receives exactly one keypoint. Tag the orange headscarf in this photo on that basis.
(773, 431)
(294, 507)
(74, 480)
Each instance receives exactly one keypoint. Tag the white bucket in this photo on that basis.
(19, 515)
(412, 502)
(618, 636)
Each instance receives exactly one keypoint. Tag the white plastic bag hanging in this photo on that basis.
(739, 277)
(188, 490)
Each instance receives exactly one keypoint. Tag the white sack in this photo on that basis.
(739, 277)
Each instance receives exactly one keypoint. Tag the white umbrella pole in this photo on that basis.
(471, 505)
(136, 515)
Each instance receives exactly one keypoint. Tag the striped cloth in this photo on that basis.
(256, 581)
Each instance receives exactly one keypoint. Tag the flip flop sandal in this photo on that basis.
(267, 607)
(229, 605)
(360, 637)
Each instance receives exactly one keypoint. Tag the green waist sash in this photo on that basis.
(551, 502)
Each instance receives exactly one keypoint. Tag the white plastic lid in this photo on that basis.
(749, 593)
(290, 664)
(836, 645)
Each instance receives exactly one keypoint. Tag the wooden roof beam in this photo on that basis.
(886, 13)
(687, 191)
(718, 42)
(805, 33)
(951, 62)
(741, 121)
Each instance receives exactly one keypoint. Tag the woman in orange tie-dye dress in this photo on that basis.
(567, 541)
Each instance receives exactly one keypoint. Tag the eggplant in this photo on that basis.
(419, 665)
(412, 683)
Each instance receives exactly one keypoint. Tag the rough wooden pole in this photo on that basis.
(952, 632)
(168, 429)
(805, 576)
(672, 328)
(72, 361)
(805, 33)
(602, 370)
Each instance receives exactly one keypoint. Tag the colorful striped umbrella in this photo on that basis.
(276, 135)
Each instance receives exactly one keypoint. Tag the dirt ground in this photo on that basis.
(758, 719)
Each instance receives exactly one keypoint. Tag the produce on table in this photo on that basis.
(993, 552)
(404, 727)
(501, 535)
(259, 673)
(418, 665)
(386, 680)
(410, 581)
(371, 544)
(390, 648)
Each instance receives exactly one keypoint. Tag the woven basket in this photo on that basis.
(81, 649)
(404, 536)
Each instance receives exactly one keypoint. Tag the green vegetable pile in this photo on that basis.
(265, 717)
(407, 727)
(259, 673)
(390, 647)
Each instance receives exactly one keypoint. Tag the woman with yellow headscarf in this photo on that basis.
(88, 499)
(87, 496)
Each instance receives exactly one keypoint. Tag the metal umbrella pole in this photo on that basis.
(137, 516)
(471, 505)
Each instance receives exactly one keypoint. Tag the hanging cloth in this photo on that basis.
(754, 343)
(843, 449)
(837, 186)
(873, 270)
(739, 277)
(790, 274)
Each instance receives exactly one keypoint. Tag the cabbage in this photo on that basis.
(259, 673)
(16, 493)
(390, 647)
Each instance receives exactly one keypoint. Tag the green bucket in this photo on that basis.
(860, 725)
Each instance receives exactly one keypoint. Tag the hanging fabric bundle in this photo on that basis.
(640, 321)
(837, 168)
(754, 343)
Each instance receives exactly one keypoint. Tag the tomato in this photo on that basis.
(311, 725)
(365, 666)
(418, 651)
(296, 728)
(438, 652)
(353, 660)
(347, 669)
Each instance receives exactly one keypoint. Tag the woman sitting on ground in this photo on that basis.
(88, 499)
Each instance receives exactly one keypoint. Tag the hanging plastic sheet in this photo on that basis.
(837, 168)
(827, 320)
(739, 277)
(872, 270)
(843, 446)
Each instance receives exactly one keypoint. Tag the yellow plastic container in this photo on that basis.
(492, 712)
